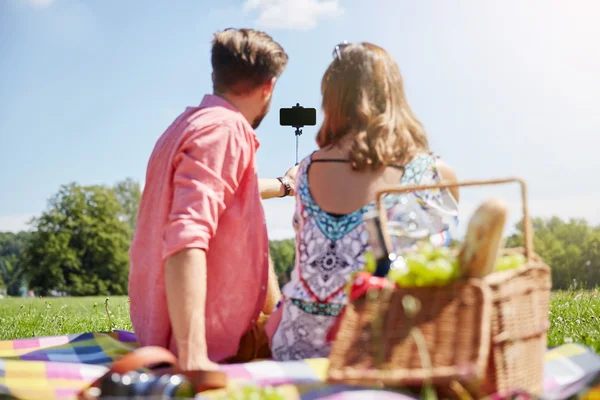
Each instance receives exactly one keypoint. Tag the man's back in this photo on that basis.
(202, 192)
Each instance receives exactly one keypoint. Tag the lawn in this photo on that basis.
(31, 317)
(574, 317)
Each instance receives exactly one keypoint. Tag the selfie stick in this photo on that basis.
(298, 133)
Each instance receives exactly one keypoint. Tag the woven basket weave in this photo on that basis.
(375, 345)
(488, 334)
(519, 326)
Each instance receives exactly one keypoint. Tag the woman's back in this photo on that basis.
(340, 190)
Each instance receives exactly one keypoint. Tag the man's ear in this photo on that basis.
(268, 88)
(212, 76)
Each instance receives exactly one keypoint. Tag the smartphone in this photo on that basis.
(297, 116)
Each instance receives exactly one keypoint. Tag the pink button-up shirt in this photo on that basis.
(202, 192)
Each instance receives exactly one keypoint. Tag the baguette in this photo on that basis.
(483, 240)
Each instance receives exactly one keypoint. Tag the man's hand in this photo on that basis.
(272, 187)
(273, 292)
(185, 284)
(198, 364)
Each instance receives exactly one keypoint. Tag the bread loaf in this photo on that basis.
(483, 240)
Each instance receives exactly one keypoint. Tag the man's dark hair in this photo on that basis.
(243, 59)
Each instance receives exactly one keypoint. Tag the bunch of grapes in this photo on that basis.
(433, 266)
(510, 261)
(252, 392)
(425, 266)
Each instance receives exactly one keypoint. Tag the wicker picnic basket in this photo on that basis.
(489, 334)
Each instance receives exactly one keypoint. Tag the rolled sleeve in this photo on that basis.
(208, 169)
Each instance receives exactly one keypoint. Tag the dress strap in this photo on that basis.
(341, 160)
(338, 160)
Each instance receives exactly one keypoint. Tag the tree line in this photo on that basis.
(79, 246)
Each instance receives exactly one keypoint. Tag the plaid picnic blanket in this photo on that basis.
(59, 367)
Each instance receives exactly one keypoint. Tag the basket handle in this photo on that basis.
(527, 228)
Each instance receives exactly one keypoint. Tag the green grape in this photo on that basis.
(427, 265)
(417, 263)
(370, 263)
(252, 392)
(441, 252)
(395, 275)
(512, 261)
(270, 393)
(418, 268)
(236, 396)
(502, 264)
(401, 278)
(442, 270)
(421, 281)
(519, 259)
(427, 250)
(455, 268)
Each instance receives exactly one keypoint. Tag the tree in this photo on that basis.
(129, 194)
(11, 275)
(11, 267)
(591, 258)
(79, 244)
(282, 253)
(571, 249)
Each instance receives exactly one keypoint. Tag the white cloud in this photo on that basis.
(39, 3)
(293, 14)
(15, 223)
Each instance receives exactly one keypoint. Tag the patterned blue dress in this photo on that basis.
(329, 248)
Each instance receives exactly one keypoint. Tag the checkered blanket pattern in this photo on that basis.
(59, 367)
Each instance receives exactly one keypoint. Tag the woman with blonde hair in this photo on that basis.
(369, 138)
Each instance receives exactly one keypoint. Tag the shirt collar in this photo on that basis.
(211, 100)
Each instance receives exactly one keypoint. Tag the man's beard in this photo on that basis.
(261, 116)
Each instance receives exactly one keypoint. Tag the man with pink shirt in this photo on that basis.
(199, 275)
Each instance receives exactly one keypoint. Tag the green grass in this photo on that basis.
(31, 317)
(574, 317)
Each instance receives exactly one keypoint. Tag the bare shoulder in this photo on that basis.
(445, 171)
(447, 174)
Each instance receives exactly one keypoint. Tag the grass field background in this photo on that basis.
(31, 317)
(574, 317)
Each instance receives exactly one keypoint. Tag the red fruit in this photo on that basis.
(365, 281)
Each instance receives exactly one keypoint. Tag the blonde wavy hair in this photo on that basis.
(364, 103)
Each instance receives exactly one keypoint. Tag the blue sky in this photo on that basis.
(503, 88)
